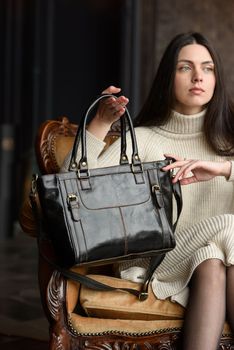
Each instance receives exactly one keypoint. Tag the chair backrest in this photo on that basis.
(55, 139)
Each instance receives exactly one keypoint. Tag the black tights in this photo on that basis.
(211, 301)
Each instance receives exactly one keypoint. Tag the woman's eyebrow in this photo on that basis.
(191, 62)
(183, 60)
(208, 62)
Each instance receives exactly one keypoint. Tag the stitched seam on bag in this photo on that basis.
(125, 233)
(114, 206)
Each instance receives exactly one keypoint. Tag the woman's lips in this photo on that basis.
(196, 91)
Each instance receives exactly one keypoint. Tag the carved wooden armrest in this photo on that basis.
(55, 139)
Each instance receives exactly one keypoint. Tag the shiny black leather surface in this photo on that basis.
(115, 219)
(107, 214)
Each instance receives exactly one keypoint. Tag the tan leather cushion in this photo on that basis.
(131, 324)
(123, 305)
(90, 325)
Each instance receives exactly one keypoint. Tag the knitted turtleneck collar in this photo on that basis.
(185, 124)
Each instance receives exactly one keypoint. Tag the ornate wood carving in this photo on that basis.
(46, 142)
(158, 342)
(55, 295)
(56, 342)
(47, 138)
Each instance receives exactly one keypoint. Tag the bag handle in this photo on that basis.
(82, 165)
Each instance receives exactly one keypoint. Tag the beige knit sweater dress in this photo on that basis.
(206, 226)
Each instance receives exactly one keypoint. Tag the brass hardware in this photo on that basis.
(124, 158)
(73, 165)
(83, 163)
(136, 157)
(173, 173)
(73, 206)
(155, 188)
(71, 197)
(143, 296)
(83, 176)
(137, 171)
(34, 184)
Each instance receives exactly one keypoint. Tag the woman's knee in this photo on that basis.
(213, 270)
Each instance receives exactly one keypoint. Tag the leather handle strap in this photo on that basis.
(88, 282)
(81, 138)
(178, 197)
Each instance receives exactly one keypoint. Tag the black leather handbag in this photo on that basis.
(105, 215)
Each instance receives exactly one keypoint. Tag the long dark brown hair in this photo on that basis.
(219, 118)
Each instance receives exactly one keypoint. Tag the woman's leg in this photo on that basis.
(205, 314)
(230, 296)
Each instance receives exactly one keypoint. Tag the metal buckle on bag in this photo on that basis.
(73, 205)
(143, 296)
(85, 176)
(155, 188)
(137, 171)
(71, 197)
(158, 195)
(172, 173)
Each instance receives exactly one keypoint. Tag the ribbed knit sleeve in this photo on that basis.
(94, 148)
(98, 159)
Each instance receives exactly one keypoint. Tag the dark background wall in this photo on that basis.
(161, 20)
(57, 55)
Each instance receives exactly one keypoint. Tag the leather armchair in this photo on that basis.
(80, 318)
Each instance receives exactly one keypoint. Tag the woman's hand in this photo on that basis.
(109, 111)
(191, 170)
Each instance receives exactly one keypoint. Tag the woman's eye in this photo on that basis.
(184, 68)
(208, 69)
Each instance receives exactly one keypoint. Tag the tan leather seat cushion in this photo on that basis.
(117, 311)
(123, 305)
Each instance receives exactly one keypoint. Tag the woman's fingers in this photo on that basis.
(111, 109)
(184, 170)
(190, 171)
(188, 180)
(177, 164)
(121, 100)
(115, 106)
(167, 155)
(184, 173)
(111, 90)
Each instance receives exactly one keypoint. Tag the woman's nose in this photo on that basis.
(197, 77)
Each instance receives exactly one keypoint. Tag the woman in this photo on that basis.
(187, 115)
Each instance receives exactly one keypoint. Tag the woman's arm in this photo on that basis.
(190, 170)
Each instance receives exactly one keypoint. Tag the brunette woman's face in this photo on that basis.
(194, 82)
